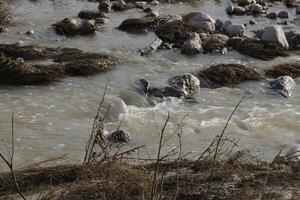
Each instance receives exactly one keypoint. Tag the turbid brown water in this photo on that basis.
(56, 119)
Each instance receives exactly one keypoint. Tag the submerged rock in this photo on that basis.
(293, 153)
(200, 20)
(227, 75)
(286, 69)
(284, 85)
(118, 136)
(275, 34)
(143, 24)
(192, 46)
(272, 15)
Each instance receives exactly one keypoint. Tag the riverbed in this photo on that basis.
(56, 119)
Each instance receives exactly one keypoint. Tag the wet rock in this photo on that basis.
(152, 47)
(283, 14)
(252, 22)
(153, 14)
(284, 85)
(229, 9)
(286, 69)
(239, 10)
(293, 39)
(86, 27)
(192, 46)
(154, 3)
(67, 26)
(290, 3)
(140, 5)
(3, 29)
(213, 43)
(202, 21)
(235, 29)
(91, 14)
(227, 75)
(118, 136)
(143, 24)
(175, 33)
(20, 60)
(120, 5)
(105, 6)
(30, 32)
(257, 48)
(293, 153)
(244, 2)
(179, 86)
(186, 82)
(174, 18)
(298, 11)
(112, 107)
(275, 34)
(272, 15)
(256, 9)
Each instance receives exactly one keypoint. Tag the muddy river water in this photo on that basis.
(56, 119)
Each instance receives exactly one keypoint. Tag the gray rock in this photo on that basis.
(152, 47)
(20, 60)
(174, 18)
(187, 82)
(229, 9)
(87, 27)
(293, 153)
(283, 14)
(192, 46)
(275, 35)
(3, 29)
(272, 15)
(202, 21)
(239, 10)
(252, 22)
(235, 29)
(256, 9)
(30, 32)
(298, 11)
(105, 6)
(118, 136)
(284, 85)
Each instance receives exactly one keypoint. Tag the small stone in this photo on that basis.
(105, 6)
(20, 60)
(283, 14)
(140, 4)
(252, 22)
(298, 11)
(3, 29)
(192, 46)
(235, 29)
(87, 27)
(271, 15)
(147, 10)
(119, 136)
(239, 10)
(229, 9)
(256, 9)
(30, 32)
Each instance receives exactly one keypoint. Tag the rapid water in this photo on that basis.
(56, 119)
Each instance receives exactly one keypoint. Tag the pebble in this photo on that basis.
(271, 15)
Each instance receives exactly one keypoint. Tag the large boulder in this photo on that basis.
(286, 69)
(143, 24)
(227, 75)
(235, 29)
(275, 34)
(284, 85)
(176, 32)
(256, 48)
(202, 21)
(192, 46)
